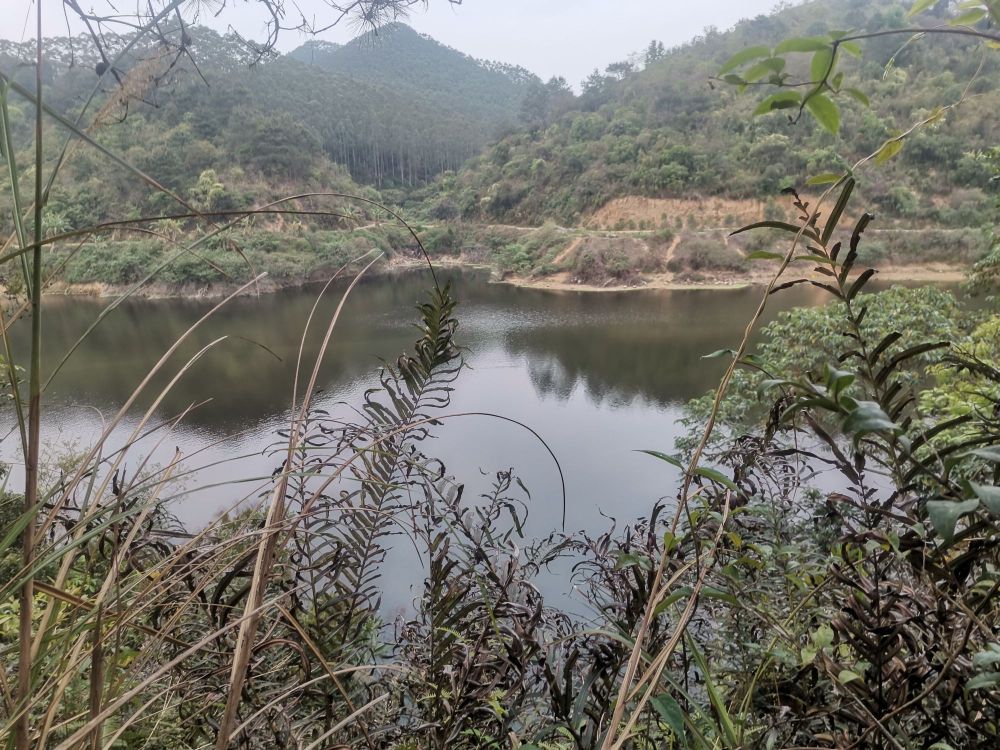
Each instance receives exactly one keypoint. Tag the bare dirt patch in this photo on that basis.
(568, 251)
(636, 212)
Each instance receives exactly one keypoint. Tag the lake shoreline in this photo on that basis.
(560, 282)
(932, 274)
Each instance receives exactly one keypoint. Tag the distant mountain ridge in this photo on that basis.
(394, 107)
(399, 57)
(437, 130)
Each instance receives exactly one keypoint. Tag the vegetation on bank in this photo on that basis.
(824, 576)
(299, 254)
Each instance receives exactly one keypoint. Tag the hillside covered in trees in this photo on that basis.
(655, 145)
(392, 108)
(660, 128)
(488, 94)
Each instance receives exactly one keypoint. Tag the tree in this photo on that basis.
(545, 102)
(654, 52)
(596, 90)
(620, 70)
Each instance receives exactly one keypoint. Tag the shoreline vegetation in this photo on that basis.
(547, 257)
(938, 274)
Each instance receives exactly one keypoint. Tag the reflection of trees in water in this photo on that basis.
(618, 346)
(648, 345)
(614, 363)
(550, 378)
(248, 377)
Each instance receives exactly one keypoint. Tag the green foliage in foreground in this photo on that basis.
(810, 594)
(803, 341)
(827, 575)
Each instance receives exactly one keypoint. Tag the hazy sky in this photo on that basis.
(549, 37)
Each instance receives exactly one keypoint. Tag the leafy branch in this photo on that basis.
(766, 66)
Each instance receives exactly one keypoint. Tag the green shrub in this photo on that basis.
(114, 262)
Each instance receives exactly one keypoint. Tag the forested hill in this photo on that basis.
(659, 129)
(423, 124)
(414, 64)
(281, 121)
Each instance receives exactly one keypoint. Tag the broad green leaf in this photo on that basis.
(825, 112)
(822, 637)
(801, 44)
(629, 559)
(715, 476)
(672, 460)
(669, 542)
(771, 383)
(990, 454)
(782, 225)
(987, 658)
(838, 381)
(889, 149)
(822, 65)
(754, 74)
(868, 417)
(670, 712)
(990, 497)
(780, 100)
(846, 676)
(851, 48)
(682, 593)
(719, 354)
(944, 515)
(764, 68)
(858, 96)
(710, 592)
(969, 18)
(743, 57)
(984, 680)
(827, 178)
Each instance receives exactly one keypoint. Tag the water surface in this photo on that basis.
(597, 375)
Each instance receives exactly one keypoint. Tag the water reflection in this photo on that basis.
(597, 375)
(248, 376)
(619, 346)
(638, 344)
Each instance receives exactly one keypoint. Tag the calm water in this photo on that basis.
(598, 376)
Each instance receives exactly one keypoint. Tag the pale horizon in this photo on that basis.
(567, 38)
